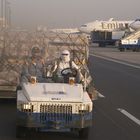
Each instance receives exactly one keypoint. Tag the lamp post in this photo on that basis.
(5, 16)
(1, 8)
(8, 14)
(2, 12)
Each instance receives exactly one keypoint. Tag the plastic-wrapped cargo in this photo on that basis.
(16, 46)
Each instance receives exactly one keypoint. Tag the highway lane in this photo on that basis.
(117, 82)
(120, 86)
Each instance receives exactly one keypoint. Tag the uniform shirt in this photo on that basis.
(34, 67)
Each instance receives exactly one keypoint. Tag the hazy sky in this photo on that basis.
(70, 13)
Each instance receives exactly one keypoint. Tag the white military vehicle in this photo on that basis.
(54, 106)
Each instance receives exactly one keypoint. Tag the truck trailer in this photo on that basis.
(104, 38)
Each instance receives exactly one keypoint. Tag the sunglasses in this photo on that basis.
(65, 54)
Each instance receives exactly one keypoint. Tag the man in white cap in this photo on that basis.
(63, 63)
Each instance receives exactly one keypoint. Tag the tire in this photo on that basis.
(121, 49)
(134, 49)
(137, 49)
(83, 133)
(102, 45)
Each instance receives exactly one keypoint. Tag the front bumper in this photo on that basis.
(35, 120)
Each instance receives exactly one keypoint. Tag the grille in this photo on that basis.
(55, 112)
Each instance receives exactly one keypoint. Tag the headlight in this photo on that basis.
(27, 107)
(84, 108)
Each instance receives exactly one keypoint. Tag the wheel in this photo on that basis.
(102, 45)
(134, 50)
(20, 131)
(83, 133)
(67, 73)
(121, 49)
(137, 49)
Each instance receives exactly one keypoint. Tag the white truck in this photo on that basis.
(52, 106)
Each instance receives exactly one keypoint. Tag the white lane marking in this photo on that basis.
(137, 121)
(117, 61)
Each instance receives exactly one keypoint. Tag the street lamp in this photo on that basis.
(2, 13)
(5, 18)
(1, 8)
(8, 14)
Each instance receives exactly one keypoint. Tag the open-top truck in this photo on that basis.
(55, 106)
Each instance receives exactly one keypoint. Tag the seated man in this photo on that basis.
(34, 67)
(81, 75)
(62, 64)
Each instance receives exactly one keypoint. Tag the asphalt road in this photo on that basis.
(119, 87)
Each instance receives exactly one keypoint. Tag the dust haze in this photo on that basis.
(69, 13)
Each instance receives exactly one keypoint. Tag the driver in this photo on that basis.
(34, 66)
(63, 63)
